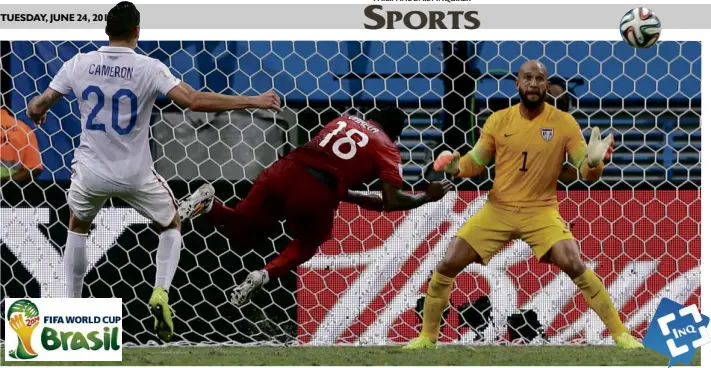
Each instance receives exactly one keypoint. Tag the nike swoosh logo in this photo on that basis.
(508, 135)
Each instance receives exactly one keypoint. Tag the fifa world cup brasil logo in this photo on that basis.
(23, 316)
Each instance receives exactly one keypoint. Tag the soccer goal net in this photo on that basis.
(638, 227)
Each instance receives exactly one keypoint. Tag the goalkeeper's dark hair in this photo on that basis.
(391, 119)
(122, 20)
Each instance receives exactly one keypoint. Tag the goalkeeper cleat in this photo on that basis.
(421, 342)
(198, 203)
(627, 341)
(243, 292)
(160, 309)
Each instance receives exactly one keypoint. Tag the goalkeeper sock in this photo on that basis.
(295, 253)
(436, 302)
(599, 300)
(75, 263)
(167, 257)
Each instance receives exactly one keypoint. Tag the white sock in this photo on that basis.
(75, 263)
(167, 257)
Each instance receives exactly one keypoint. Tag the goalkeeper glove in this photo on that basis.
(599, 149)
(447, 162)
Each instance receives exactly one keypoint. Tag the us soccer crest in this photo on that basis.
(547, 134)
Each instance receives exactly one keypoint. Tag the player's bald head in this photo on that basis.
(533, 66)
(532, 83)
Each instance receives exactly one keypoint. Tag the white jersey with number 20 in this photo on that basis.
(116, 89)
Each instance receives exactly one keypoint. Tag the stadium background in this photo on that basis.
(639, 226)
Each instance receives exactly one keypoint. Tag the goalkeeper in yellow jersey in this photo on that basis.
(529, 142)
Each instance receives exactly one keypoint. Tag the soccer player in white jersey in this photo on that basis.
(117, 89)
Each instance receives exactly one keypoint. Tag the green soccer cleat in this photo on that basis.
(161, 311)
(421, 342)
(627, 341)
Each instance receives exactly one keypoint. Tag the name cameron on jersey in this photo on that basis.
(113, 71)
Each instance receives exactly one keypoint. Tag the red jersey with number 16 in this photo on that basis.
(354, 150)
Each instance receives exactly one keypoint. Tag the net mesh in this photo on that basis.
(639, 226)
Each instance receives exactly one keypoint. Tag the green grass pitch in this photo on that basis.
(378, 356)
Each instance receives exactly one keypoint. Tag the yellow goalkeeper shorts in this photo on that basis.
(494, 226)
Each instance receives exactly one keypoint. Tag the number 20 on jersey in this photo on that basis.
(115, 104)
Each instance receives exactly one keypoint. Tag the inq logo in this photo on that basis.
(690, 329)
(434, 19)
(672, 333)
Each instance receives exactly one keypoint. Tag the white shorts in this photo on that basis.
(88, 193)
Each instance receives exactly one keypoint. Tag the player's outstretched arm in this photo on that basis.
(39, 105)
(186, 97)
(476, 160)
(589, 158)
(395, 199)
(568, 174)
(367, 201)
(472, 164)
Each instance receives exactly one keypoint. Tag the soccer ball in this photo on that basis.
(640, 27)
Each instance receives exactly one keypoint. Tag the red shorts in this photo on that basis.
(286, 191)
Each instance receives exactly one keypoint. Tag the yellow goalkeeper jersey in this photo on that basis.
(529, 155)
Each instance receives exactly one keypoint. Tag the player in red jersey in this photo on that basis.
(305, 187)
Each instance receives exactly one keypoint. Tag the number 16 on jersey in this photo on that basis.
(347, 140)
